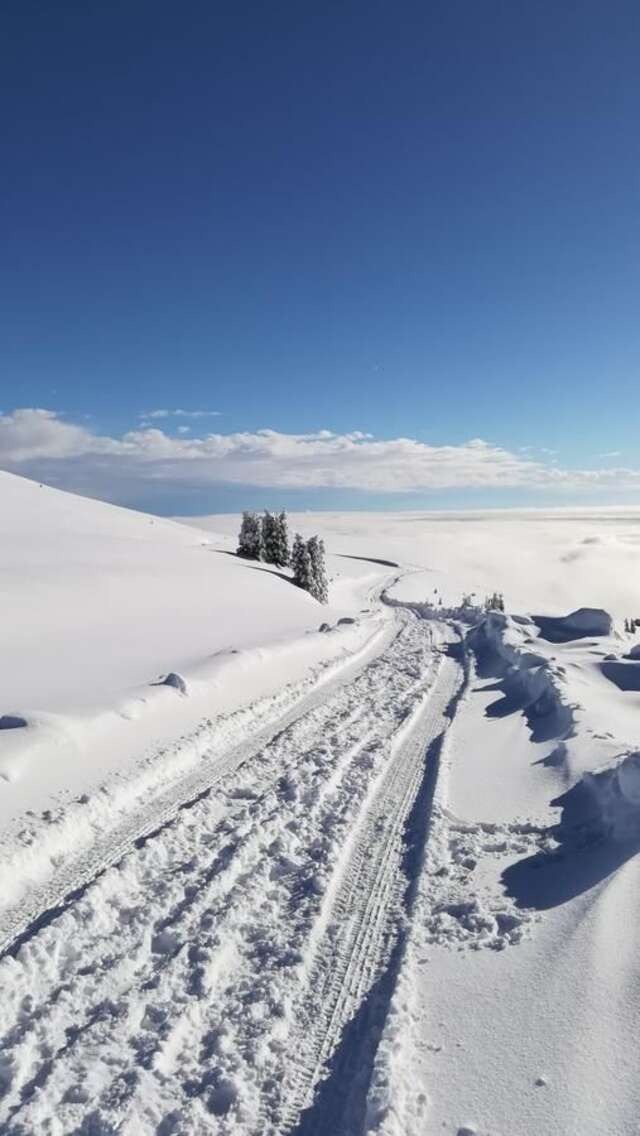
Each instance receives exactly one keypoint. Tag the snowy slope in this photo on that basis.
(100, 603)
(99, 599)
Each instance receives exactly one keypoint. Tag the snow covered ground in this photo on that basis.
(100, 604)
(552, 560)
(380, 880)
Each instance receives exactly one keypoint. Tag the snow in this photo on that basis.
(549, 561)
(259, 878)
(109, 614)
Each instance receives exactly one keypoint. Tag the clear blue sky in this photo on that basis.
(417, 219)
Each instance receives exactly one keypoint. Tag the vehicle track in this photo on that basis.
(171, 993)
(367, 904)
(219, 759)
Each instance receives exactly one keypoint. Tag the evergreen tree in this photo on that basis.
(275, 539)
(494, 602)
(319, 584)
(283, 540)
(301, 564)
(270, 538)
(250, 539)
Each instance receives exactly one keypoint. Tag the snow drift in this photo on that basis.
(608, 799)
(533, 683)
(580, 624)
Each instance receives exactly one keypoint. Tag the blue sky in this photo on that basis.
(415, 221)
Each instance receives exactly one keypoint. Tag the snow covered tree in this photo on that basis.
(275, 539)
(494, 602)
(307, 561)
(283, 539)
(269, 537)
(250, 539)
(319, 584)
(301, 564)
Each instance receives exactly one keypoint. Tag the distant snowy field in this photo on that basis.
(550, 561)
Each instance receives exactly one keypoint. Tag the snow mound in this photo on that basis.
(530, 682)
(580, 624)
(12, 722)
(174, 680)
(613, 792)
(624, 673)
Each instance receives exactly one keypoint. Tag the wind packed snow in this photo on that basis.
(280, 868)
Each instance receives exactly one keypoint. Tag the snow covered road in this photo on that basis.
(241, 952)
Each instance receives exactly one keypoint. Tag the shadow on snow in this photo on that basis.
(587, 855)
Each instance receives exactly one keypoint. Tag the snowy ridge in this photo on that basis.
(532, 680)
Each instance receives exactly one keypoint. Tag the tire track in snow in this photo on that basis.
(366, 908)
(68, 879)
(166, 997)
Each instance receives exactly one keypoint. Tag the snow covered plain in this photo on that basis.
(381, 879)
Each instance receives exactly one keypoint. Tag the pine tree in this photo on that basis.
(283, 540)
(494, 602)
(275, 539)
(301, 564)
(319, 584)
(270, 538)
(250, 539)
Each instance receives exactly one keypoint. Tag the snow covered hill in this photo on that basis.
(100, 604)
(380, 881)
(99, 599)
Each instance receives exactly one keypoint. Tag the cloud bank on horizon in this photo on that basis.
(41, 444)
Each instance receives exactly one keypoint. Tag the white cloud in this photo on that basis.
(29, 434)
(537, 450)
(39, 443)
(180, 414)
